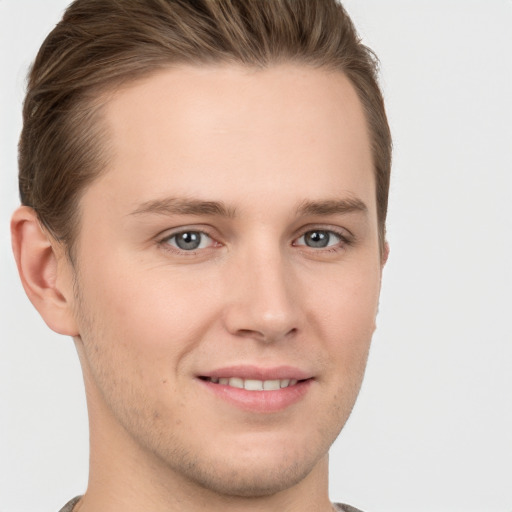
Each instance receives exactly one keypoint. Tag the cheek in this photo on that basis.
(146, 321)
(349, 297)
(134, 334)
(346, 317)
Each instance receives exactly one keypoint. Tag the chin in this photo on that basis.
(253, 466)
(248, 479)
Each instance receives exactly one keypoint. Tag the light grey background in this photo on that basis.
(432, 430)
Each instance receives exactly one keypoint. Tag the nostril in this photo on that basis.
(248, 333)
(267, 335)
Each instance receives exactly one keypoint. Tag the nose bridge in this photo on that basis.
(263, 303)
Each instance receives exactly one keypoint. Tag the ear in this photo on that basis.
(385, 255)
(46, 273)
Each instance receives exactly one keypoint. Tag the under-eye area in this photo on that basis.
(254, 384)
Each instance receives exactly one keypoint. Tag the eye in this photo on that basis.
(319, 239)
(189, 240)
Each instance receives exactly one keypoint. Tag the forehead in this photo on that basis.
(242, 130)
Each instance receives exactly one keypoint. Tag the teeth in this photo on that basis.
(271, 385)
(253, 384)
(235, 382)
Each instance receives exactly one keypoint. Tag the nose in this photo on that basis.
(262, 301)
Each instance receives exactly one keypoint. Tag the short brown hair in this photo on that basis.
(100, 44)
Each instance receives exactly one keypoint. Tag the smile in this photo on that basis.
(257, 389)
(252, 384)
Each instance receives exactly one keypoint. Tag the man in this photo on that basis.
(204, 189)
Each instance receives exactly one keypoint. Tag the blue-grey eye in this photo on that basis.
(190, 240)
(319, 239)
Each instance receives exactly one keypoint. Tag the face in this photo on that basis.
(228, 273)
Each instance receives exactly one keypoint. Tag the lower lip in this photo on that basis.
(260, 401)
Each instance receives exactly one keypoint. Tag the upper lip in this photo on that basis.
(259, 373)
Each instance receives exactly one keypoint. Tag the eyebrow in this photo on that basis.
(183, 206)
(178, 206)
(331, 207)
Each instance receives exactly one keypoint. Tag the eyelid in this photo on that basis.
(339, 231)
(345, 239)
(196, 228)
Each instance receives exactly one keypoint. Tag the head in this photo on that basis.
(209, 181)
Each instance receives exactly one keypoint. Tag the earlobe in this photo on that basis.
(385, 254)
(44, 271)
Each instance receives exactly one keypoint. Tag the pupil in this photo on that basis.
(188, 241)
(317, 239)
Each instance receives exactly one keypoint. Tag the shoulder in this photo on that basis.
(345, 508)
(68, 507)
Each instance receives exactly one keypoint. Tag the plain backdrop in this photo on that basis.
(432, 430)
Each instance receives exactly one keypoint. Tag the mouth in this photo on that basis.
(258, 390)
(253, 384)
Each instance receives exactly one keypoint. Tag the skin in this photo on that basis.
(148, 318)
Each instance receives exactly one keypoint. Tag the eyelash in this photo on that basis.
(165, 245)
(345, 240)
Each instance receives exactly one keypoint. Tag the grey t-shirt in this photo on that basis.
(338, 506)
(68, 507)
(345, 508)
